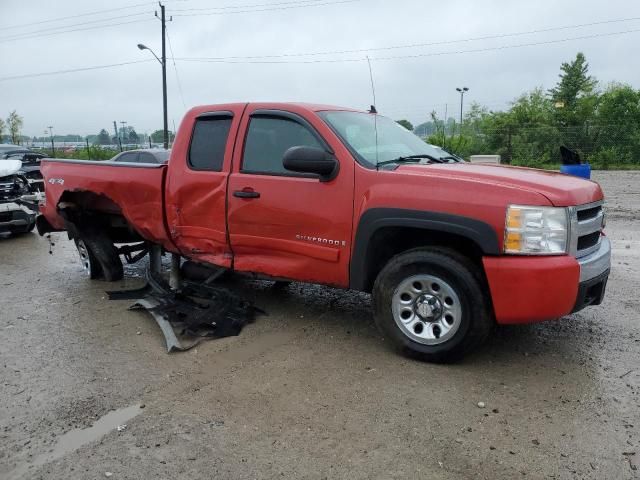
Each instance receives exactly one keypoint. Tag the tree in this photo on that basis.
(158, 136)
(406, 124)
(425, 129)
(103, 138)
(14, 123)
(132, 135)
(574, 82)
(575, 100)
(619, 105)
(2, 127)
(616, 126)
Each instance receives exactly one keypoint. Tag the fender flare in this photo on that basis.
(479, 232)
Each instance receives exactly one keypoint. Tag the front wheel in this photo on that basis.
(432, 304)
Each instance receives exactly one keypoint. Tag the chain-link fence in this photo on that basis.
(603, 146)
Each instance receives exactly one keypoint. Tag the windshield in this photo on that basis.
(358, 131)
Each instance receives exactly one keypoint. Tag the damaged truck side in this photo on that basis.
(349, 199)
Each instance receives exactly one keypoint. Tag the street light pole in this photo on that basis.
(53, 148)
(462, 91)
(163, 64)
(122, 132)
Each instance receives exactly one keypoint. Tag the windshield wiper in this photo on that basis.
(410, 158)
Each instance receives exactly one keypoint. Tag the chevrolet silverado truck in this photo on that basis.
(350, 199)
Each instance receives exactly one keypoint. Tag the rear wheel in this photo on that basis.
(88, 260)
(99, 256)
(431, 304)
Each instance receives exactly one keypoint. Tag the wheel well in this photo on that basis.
(388, 242)
(88, 210)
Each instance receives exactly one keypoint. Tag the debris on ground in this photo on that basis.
(195, 312)
(481, 405)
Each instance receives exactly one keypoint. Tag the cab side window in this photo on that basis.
(268, 138)
(208, 143)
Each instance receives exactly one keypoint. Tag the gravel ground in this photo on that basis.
(311, 390)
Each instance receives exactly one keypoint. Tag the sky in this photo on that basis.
(419, 52)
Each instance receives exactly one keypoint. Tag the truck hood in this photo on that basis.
(9, 167)
(561, 190)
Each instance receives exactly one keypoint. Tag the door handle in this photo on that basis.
(246, 194)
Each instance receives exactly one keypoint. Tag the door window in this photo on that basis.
(268, 139)
(208, 143)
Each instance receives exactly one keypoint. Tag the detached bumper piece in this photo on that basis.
(194, 313)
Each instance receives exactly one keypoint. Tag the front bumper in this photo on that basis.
(16, 218)
(534, 289)
(594, 273)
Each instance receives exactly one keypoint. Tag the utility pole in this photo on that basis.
(53, 148)
(163, 63)
(164, 78)
(444, 125)
(115, 129)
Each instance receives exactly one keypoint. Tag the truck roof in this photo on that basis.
(313, 107)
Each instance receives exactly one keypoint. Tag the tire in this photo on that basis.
(99, 256)
(432, 304)
(88, 260)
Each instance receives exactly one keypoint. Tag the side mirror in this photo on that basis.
(311, 160)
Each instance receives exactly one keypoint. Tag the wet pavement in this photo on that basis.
(311, 390)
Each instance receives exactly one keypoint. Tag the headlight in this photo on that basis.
(536, 230)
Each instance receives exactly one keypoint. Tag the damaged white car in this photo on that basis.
(18, 207)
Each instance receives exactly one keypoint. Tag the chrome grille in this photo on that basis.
(586, 224)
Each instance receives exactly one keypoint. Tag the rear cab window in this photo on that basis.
(209, 141)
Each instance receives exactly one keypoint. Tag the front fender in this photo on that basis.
(480, 233)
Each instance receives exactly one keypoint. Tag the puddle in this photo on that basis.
(74, 439)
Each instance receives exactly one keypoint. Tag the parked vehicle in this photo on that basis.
(150, 155)
(9, 147)
(16, 211)
(349, 199)
(30, 164)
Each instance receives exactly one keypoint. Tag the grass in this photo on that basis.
(93, 153)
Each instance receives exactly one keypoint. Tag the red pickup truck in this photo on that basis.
(339, 197)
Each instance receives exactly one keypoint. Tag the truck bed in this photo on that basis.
(133, 190)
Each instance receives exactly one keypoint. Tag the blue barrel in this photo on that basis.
(583, 170)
